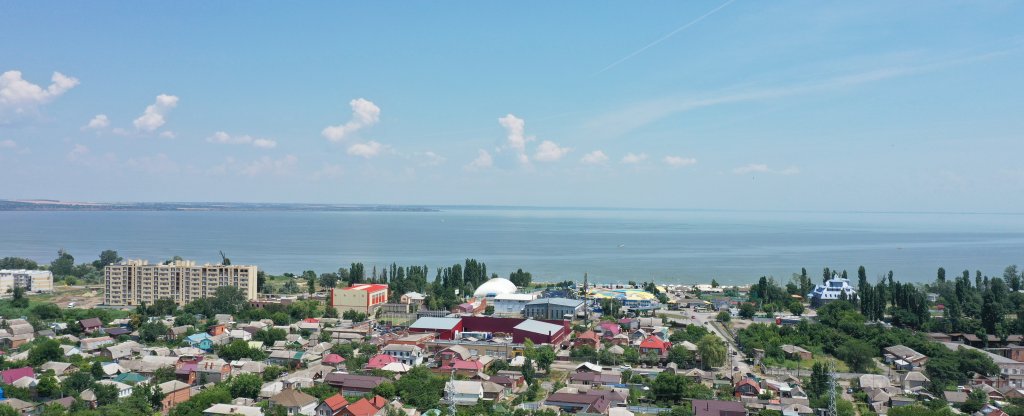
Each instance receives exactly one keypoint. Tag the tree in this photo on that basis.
(796, 308)
(107, 257)
(151, 331)
(819, 382)
(683, 357)
(386, 390)
(528, 371)
(311, 284)
(7, 410)
(723, 316)
(328, 279)
(420, 388)
(47, 350)
(714, 283)
(290, 286)
(272, 372)
(18, 263)
(77, 382)
(712, 351)
(18, 299)
(239, 349)
(246, 385)
(545, 356)
(63, 265)
(224, 260)
(520, 278)
(747, 311)
(48, 386)
(105, 394)
(857, 354)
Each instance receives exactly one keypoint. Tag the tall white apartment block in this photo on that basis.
(132, 282)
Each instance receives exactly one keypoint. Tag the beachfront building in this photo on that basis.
(132, 282)
(494, 287)
(36, 281)
(511, 304)
(363, 298)
(553, 308)
(635, 299)
(834, 289)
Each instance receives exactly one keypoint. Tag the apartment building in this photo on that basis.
(135, 281)
(32, 280)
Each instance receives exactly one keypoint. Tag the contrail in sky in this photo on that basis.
(663, 38)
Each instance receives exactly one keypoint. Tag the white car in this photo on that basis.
(625, 367)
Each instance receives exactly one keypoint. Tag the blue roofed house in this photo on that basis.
(200, 340)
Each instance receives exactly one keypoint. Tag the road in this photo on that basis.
(707, 320)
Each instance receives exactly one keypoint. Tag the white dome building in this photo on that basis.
(494, 287)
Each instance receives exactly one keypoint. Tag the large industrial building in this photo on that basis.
(132, 282)
(553, 308)
(537, 331)
(363, 298)
(35, 281)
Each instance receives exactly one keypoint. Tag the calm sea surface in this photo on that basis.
(553, 244)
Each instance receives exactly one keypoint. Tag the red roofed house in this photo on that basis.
(332, 406)
(656, 345)
(747, 387)
(90, 324)
(378, 361)
(332, 360)
(588, 338)
(362, 407)
(363, 298)
(14, 374)
(609, 329)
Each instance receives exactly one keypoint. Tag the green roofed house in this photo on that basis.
(130, 378)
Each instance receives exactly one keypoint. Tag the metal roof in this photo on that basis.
(538, 327)
(572, 303)
(435, 323)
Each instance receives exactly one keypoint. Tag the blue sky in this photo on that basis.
(881, 106)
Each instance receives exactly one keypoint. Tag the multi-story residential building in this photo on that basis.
(32, 280)
(364, 298)
(406, 354)
(135, 281)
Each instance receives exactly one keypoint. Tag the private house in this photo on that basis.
(655, 345)
(174, 392)
(353, 384)
(465, 392)
(588, 378)
(178, 332)
(406, 354)
(19, 332)
(212, 371)
(379, 361)
(59, 369)
(14, 374)
(718, 408)
(361, 407)
(412, 298)
(89, 325)
(909, 357)
(796, 353)
(747, 387)
(200, 340)
(333, 360)
(120, 351)
(553, 308)
(609, 329)
(577, 403)
(493, 391)
(588, 339)
(285, 358)
(123, 390)
(914, 380)
(331, 406)
(222, 409)
(295, 402)
(93, 344)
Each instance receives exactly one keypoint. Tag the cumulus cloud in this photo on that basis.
(19, 96)
(167, 134)
(763, 168)
(225, 138)
(267, 165)
(366, 150)
(99, 122)
(364, 114)
(633, 158)
(156, 113)
(594, 158)
(677, 161)
(549, 151)
(432, 159)
(483, 161)
(515, 129)
(78, 152)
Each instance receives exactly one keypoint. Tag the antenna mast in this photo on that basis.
(832, 386)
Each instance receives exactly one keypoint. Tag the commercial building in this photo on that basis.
(537, 331)
(553, 308)
(36, 281)
(363, 298)
(511, 304)
(132, 282)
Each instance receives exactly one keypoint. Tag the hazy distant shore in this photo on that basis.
(53, 205)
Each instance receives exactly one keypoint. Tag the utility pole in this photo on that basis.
(586, 301)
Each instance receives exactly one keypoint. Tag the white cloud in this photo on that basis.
(483, 161)
(432, 159)
(155, 114)
(677, 161)
(515, 128)
(763, 168)
(266, 165)
(632, 158)
(366, 150)
(167, 134)
(78, 152)
(8, 144)
(99, 122)
(364, 114)
(18, 95)
(549, 151)
(594, 158)
(225, 138)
